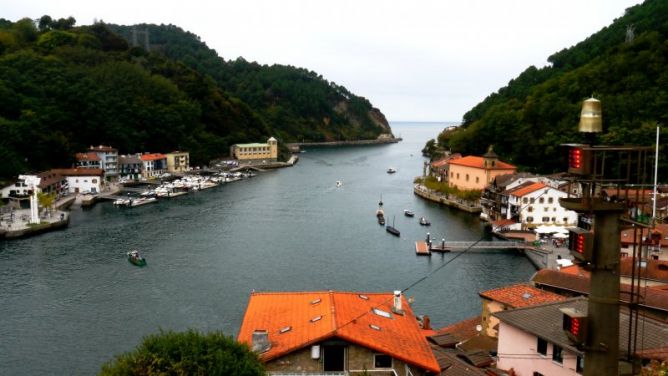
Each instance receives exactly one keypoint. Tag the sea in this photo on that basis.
(70, 301)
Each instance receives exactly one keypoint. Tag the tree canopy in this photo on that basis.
(186, 353)
(536, 112)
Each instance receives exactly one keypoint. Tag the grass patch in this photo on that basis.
(443, 188)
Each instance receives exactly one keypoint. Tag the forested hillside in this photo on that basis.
(64, 88)
(297, 103)
(625, 65)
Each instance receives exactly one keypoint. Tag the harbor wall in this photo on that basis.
(467, 206)
(295, 147)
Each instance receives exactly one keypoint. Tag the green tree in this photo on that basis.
(46, 200)
(186, 353)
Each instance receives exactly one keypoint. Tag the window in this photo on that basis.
(541, 347)
(382, 361)
(546, 219)
(458, 176)
(541, 200)
(529, 219)
(467, 177)
(579, 364)
(565, 219)
(533, 200)
(537, 374)
(525, 200)
(530, 209)
(554, 219)
(547, 209)
(557, 355)
(477, 179)
(550, 200)
(452, 174)
(94, 181)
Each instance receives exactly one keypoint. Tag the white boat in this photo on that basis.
(142, 201)
(338, 183)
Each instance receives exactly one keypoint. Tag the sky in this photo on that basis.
(424, 60)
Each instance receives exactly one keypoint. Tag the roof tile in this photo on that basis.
(521, 295)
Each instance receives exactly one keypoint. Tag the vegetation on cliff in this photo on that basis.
(625, 65)
(64, 88)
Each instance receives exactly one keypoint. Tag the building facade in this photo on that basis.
(82, 180)
(538, 204)
(178, 161)
(88, 160)
(130, 167)
(256, 152)
(108, 160)
(475, 173)
(153, 165)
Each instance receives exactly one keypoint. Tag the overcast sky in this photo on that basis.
(415, 60)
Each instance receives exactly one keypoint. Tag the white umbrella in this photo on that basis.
(543, 230)
(559, 235)
(561, 230)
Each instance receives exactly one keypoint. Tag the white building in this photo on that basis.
(538, 204)
(108, 159)
(82, 180)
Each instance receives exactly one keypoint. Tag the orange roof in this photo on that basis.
(152, 156)
(319, 315)
(477, 162)
(528, 189)
(660, 228)
(521, 295)
(87, 157)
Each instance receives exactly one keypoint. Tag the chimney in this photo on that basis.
(426, 323)
(261, 342)
(396, 307)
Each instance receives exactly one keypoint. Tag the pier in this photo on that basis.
(424, 248)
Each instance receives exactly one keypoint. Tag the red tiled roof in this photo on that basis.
(576, 270)
(90, 156)
(464, 329)
(528, 189)
(79, 171)
(660, 354)
(626, 236)
(152, 156)
(344, 315)
(477, 162)
(520, 295)
(656, 270)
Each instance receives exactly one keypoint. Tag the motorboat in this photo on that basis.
(135, 258)
(380, 214)
(338, 183)
(424, 221)
(391, 170)
(409, 213)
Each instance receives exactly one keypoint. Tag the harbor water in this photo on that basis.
(70, 301)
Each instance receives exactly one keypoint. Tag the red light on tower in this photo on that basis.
(581, 244)
(574, 324)
(579, 160)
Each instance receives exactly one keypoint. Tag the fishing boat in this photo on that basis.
(135, 258)
(408, 213)
(391, 170)
(392, 230)
(380, 214)
(424, 221)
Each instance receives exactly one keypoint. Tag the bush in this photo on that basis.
(187, 353)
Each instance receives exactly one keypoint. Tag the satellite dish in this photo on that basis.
(478, 328)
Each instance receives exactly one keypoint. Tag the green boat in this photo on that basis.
(136, 259)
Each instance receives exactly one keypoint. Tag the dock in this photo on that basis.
(424, 248)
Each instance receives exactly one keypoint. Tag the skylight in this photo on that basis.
(363, 297)
(285, 330)
(316, 301)
(317, 318)
(382, 313)
(374, 327)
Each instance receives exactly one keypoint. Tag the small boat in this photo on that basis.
(380, 215)
(392, 230)
(136, 259)
(424, 221)
(409, 213)
(391, 170)
(338, 183)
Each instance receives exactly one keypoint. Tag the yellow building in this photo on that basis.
(248, 152)
(178, 161)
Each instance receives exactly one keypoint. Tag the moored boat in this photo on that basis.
(391, 170)
(424, 221)
(408, 213)
(392, 230)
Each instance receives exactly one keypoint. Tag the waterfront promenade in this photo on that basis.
(450, 200)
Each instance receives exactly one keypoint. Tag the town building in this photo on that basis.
(654, 241)
(509, 297)
(88, 160)
(82, 180)
(538, 204)
(326, 331)
(475, 173)
(50, 182)
(532, 341)
(153, 165)
(108, 160)
(256, 152)
(130, 167)
(178, 161)
(441, 168)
